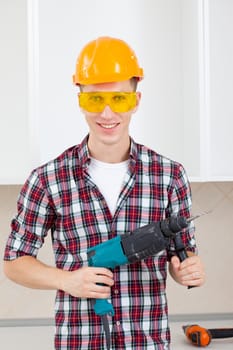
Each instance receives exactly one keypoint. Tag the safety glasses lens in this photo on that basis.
(119, 102)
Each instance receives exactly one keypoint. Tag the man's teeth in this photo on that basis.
(108, 126)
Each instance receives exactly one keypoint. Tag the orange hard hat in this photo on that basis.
(106, 60)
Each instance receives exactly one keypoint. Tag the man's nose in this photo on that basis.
(107, 112)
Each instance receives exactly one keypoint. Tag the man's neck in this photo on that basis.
(114, 153)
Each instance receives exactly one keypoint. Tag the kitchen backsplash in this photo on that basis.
(214, 235)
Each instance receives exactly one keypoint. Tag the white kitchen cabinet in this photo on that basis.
(185, 48)
(220, 89)
(15, 153)
(208, 89)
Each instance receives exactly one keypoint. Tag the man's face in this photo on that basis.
(107, 126)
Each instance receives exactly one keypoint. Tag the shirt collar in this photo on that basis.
(82, 153)
(83, 156)
(133, 150)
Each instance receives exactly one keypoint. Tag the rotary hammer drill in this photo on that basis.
(134, 246)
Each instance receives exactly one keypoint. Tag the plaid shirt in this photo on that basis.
(60, 197)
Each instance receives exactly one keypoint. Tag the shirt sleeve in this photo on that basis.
(34, 218)
(181, 205)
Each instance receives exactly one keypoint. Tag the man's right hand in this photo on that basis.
(88, 282)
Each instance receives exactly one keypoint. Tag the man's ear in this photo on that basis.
(139, 95)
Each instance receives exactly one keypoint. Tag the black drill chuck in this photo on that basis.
(173, 225)
(149, 240)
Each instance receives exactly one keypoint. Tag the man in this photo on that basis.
(105, 186)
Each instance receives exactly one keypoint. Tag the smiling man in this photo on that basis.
(108, 108)
(103, 187)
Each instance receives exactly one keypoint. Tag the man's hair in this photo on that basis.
(134, 83)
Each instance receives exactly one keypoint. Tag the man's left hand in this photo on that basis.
(189, 272)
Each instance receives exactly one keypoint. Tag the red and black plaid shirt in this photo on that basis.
(61, 198)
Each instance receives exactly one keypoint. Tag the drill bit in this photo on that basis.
(199, 215)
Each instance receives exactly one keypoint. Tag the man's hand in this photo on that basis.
(85, 282)
(189, 272)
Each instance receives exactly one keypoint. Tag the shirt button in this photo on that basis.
(116, 291)
(118, 323)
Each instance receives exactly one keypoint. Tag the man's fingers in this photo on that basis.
(102, 271)
(175, 262)
(101, 279)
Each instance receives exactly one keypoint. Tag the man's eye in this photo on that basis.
(118, 98)
(96, 99)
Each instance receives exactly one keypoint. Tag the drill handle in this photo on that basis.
(180, 250)
(182, 254)
(103, 307)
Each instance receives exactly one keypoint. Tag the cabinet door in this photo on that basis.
(208, 79)
(221, 89)
(15, 150)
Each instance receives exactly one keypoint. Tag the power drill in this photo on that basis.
(134, 246)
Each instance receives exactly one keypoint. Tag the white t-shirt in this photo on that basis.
(108, 177)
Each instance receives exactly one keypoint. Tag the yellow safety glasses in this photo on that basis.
(119, 102)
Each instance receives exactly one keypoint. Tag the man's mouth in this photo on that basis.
(108, 126)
